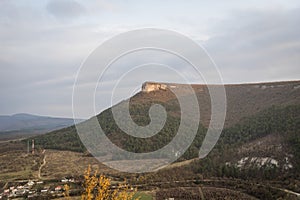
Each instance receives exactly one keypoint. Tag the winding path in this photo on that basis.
(42, 165)
(5, 185)
(290, 192)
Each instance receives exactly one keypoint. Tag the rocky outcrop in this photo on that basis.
(152, 86)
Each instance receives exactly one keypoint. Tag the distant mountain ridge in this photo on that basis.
(28, 124)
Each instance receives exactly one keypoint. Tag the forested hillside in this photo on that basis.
(268, 109)
(272, 135)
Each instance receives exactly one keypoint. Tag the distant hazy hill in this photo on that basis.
(27, 124)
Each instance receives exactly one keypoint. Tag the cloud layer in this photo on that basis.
(43, 43)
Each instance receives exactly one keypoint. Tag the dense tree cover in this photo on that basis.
(284, 121)
(63, 139)
(67, 138)
(139, 113)
(275, 120)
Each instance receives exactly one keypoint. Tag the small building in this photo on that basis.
(44, 190)
(64, 180)
(20, 192)
(71, 180)
(30, 183)
(58, 188)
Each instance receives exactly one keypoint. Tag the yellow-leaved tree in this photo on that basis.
(100, 188)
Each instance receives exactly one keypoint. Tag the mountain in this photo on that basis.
(243, 101)
(23, 124)
(258, 151)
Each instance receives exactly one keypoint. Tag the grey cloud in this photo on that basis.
(255, 46)
(39, 55)
(65, 9)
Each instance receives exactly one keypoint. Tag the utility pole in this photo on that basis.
(27, 146)
(32, 147)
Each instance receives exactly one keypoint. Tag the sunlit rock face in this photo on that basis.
(151, 86)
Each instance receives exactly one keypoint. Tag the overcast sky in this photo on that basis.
(44, 42)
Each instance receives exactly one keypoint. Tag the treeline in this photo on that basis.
(68, 139)
(63, 139)
(139, 114)
(275, 120)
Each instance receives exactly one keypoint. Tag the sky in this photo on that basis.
(43, 44)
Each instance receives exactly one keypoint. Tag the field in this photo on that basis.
(143, 195)
(176, 181)
(67, 163)
(16, 163)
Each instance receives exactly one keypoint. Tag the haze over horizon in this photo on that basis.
(43, 43)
